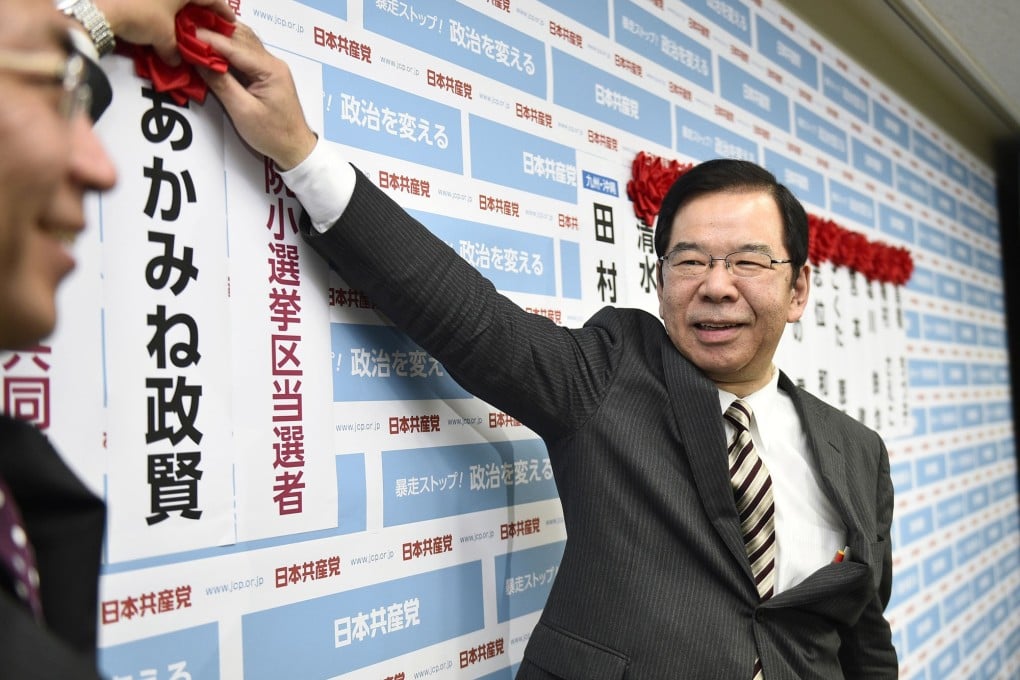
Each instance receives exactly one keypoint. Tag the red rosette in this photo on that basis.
(650, 179)
(182, 82)
(822, 239)
(872, 266)
(902, 266)
(859, 255)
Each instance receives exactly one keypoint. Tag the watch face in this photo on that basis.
(66, 5)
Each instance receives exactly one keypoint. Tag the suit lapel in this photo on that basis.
(695, 403)
(824, 443)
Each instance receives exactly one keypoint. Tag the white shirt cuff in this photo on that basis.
(323, 183)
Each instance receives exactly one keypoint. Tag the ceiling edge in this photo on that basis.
(942, 43)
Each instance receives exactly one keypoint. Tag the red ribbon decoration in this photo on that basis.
(182, 82)
(650, 179)
(652, 176)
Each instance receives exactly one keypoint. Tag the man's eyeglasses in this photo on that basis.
(70, 71)
(691, 262)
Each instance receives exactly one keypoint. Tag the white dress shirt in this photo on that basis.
(323, 183)
(808, 529)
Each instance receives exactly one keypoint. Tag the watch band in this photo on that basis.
(94, 22)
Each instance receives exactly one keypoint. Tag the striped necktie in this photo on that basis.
(752, 489)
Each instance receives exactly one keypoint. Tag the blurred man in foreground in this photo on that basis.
(51, 525)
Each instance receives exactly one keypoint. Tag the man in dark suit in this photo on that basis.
(51, 525)
(685, 558)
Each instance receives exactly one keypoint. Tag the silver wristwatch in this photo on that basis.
(92, 19)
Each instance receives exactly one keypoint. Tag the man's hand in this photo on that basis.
(258, 94)
(152, 22)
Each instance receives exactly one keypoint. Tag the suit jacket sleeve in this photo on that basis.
(867, 651)
(548, 377)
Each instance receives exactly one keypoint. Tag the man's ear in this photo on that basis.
(799, 294)
(658, 285)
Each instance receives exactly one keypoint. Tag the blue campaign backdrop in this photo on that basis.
(509, 129)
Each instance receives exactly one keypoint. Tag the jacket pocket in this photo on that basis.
(570, 657)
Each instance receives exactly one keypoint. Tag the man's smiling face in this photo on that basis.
(729, 326)
(49, 161)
